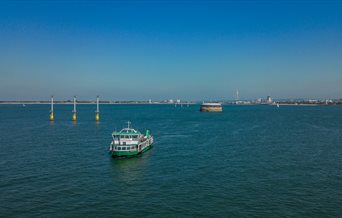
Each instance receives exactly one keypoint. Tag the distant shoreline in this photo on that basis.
(68, 103)
(85, 103)
(153, 103)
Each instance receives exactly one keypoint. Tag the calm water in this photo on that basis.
(246, 161)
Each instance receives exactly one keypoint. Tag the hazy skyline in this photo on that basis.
(192, 50)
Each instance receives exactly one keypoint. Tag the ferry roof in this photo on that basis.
(211, 104)
(127, 131)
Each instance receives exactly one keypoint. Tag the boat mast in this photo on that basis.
(128, 123)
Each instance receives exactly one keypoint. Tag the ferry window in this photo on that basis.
(122, 136)
(126, 136)
(135, 137)
(119, 148)
(123, 148)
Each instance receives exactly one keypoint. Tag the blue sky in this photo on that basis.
(192, 50)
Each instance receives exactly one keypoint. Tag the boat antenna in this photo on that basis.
(128, 123)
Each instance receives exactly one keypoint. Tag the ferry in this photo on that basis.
(211, 107)
(129, 142)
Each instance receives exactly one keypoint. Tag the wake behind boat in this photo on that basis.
(129, 142)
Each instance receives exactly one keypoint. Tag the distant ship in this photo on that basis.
(129, 142)
(211, 107)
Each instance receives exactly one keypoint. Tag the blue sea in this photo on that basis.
(248, 161)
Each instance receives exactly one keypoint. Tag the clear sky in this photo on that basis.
(192, 50)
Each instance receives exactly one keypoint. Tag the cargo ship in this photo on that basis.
(129, 142)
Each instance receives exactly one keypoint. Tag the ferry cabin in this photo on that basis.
(211, 107)
(129, 142)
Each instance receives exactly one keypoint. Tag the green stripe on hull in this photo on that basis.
(129, 153)
(124, 153)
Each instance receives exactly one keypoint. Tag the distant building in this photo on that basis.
(178, 101)
(269, 100)
(328, 101)
(171, 101)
